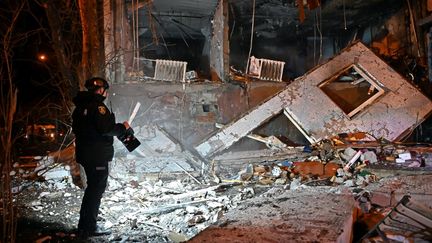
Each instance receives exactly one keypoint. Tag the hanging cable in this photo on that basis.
(137, 37)
(318, 25)
(344, 15)
(133, 32)
(151, 22)
(315, 38)
(413, 29)
(251, 36)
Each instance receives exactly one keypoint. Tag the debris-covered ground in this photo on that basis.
(176, 206)
(140, 211)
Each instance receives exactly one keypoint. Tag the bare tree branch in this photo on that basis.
(8, 104)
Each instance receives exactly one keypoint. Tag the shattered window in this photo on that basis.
(352, 89)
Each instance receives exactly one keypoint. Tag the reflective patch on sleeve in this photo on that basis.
(102, 110)
(100, 168)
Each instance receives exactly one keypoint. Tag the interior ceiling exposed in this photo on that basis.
(189, 18)
(178, 18)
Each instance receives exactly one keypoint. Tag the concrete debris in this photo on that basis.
(150, 164)
(369, 156)
(56, 173)
(348, 153)
(286, 215)
(173, 205)
(296, 183)
(53, 195)
(157, 148)
(349, 183)
(276, 171)
(344, 164)
(156, 209)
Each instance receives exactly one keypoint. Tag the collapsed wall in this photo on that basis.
(354, 91)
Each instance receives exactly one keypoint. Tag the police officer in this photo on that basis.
(94, 127)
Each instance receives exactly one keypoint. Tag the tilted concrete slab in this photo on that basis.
(321, 214)
(394, 107)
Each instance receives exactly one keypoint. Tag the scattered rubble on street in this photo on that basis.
(174, 206)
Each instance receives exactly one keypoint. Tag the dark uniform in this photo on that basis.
(94, 127)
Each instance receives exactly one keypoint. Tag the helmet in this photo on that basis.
(95, 83)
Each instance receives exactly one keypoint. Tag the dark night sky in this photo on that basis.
(31, 75)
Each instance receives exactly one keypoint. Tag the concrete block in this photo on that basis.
(305, 215)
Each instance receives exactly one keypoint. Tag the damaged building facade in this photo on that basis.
(230, 83)
(271, 68)
(306, 103)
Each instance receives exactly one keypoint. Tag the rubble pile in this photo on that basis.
(333, 162)
(135, 209)
(141, 205)
(161, 208)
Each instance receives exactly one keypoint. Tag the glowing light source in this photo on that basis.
(42, 57)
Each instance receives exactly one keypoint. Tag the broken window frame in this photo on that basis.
(290, 117)
(367, 77)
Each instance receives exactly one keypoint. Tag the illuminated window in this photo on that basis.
(352, 89)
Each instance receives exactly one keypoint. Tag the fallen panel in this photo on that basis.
(306, 215)
(354, 91)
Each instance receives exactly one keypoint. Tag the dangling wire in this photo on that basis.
(251, 36)
(318, 28)
(133, 32)
(315, 38)
(135, 63)
(151, 22)
(413, 28)
(344, 15)
(137, 37)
